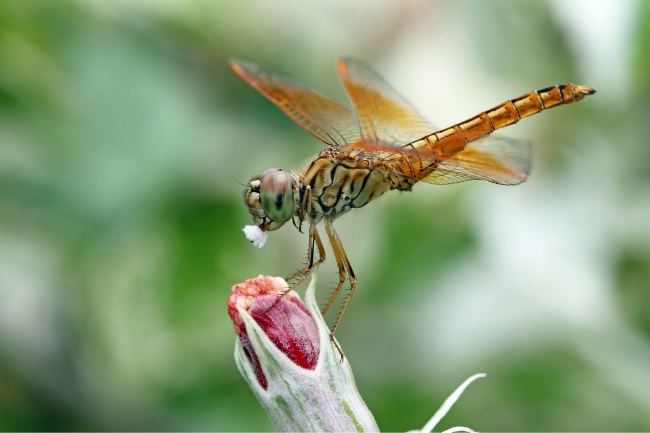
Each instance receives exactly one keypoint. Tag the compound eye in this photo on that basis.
(276, 195)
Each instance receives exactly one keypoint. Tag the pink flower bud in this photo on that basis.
(291, 364)
(288, 323)
(294, 367)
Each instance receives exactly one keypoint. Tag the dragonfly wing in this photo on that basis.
(500, 160)
(383, 115)
(327, 120)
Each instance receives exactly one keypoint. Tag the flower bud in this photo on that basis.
(285, 353)
(288, 324)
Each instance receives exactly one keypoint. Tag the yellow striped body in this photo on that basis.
(343, 179)
(340, 181)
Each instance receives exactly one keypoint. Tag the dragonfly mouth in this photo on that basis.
(270, 225)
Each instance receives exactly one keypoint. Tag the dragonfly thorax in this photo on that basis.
(271, 198)
(339, 181)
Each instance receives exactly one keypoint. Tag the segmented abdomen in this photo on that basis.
(447, 142)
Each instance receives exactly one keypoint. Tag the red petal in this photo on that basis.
(288, 324)
(290, 327)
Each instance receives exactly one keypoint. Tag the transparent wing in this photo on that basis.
(500, 160)
(383, 115)
(329, 121)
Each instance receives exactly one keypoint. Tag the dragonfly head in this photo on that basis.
(271, 198)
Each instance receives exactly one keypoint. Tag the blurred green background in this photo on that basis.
(123, 136)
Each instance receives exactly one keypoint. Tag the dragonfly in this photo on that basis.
(380, 146)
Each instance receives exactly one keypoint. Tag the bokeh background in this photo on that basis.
(123, 137)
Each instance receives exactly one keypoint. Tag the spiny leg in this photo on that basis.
(345, 272)
(305, 210)
(301, 274)
(314, 239)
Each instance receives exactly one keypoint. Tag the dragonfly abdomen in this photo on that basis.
(449, 141)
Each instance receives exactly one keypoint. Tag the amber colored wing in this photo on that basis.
(383, 115)
(330, 122)
(498, 160)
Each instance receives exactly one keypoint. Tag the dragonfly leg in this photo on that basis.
(345, 272)
(314, 240)
(301, 274)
